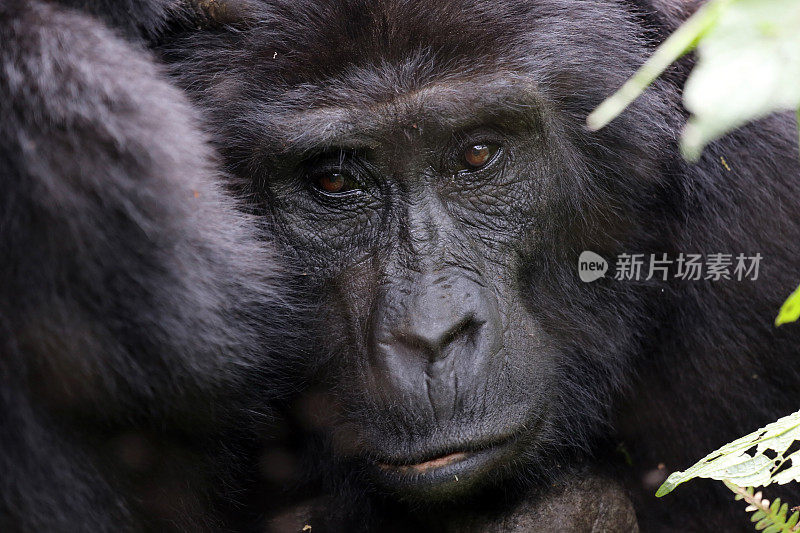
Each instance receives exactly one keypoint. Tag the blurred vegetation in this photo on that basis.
(748, 66)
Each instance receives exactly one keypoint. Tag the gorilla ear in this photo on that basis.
(211, 13)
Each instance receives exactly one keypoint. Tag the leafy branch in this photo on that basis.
(748, 66)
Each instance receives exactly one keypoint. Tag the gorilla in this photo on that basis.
(425, 169)
(143, 315)
(418, 175)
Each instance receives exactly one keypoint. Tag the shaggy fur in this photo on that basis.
(669, 370)
(140, 314)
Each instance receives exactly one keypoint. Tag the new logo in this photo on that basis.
(591, 266)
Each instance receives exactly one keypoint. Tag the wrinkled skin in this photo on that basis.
(464, 361)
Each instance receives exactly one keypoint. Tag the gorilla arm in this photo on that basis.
(134, 298)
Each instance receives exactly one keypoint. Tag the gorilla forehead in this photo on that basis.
(301, 77)
(338, 35)
(327, 37)
(295, 55)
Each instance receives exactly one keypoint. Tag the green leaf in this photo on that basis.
(732, 462)
(748, 67)
(790, 310)
(789, 474)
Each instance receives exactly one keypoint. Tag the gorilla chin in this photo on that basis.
(455, 460)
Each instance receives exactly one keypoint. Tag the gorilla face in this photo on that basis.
(416, 236)
(427, 169)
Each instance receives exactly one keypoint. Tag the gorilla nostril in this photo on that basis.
(466, 328)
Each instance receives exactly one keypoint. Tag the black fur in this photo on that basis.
(670, 370)
(141, 314)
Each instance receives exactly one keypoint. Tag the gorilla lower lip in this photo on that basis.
(420, 468)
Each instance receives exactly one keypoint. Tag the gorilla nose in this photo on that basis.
(433, 336)
(438, 318)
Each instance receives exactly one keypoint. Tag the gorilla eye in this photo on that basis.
(335, 174)
(479, 155)
(333, 183)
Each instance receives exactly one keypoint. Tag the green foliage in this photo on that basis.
(790, 310)
(748, 67)
(768, 517)
(735, 462)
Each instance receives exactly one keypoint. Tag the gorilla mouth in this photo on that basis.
(445, 474)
